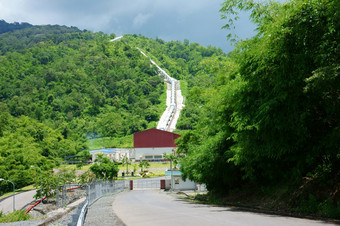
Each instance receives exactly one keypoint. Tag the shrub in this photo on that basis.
(18, 215)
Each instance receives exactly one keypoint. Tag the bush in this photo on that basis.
(324, 208)
(18, 215)
(328, 209)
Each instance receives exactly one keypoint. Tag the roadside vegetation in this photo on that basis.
(267, 132)
(18, 215)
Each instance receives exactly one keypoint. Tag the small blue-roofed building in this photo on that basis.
(116, 154)
(177, 183)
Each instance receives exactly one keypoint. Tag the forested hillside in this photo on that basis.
(60, 87)
(268, 132)
(195, 66)
(6, 27)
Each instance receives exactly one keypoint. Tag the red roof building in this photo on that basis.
(154, 138)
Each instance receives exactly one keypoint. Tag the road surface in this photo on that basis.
(155, 207)
(21, 200)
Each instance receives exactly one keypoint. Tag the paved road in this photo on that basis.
(154, 207)
(21, 200)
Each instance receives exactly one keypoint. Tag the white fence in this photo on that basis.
(146, 184)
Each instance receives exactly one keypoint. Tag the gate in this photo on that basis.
(146, 184)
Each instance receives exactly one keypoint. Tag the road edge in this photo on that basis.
(182, 195)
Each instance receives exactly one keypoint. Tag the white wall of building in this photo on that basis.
(116, 154)
(179, 184)
(151, 153)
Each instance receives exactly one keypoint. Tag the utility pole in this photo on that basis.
(1, 179)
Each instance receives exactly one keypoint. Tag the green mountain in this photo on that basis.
(6, 27)
(60, 86)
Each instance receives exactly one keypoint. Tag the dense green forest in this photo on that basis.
(61, 87)
(6, 27)
(269, 124)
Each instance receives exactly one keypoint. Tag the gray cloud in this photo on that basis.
(141, 19)
(195, 20)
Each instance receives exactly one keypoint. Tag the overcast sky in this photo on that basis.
(196, 20)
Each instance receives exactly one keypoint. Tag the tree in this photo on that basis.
(49, 180)
(127, 162)
(4, 117)
(273, 112)
(87, 177)
(273, 116)
(173, 159)
(106, 170)
(144, 165)
(59, 84)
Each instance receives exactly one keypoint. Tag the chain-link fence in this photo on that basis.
(68, 193)
(97, 190)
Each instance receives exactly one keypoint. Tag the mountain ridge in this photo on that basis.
(59, 86)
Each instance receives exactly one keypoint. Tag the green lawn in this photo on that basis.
(120, 142)
(122, 167)
(155, 169)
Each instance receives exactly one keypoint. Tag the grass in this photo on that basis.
(120, 142)
(152, 166)
(155, 169)
(137, 175)
(74, 167)
(120, 167)
(18, 215)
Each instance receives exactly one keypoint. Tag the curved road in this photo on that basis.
(155, 207)
(21, 200)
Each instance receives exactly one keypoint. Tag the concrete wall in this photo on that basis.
(179, 184)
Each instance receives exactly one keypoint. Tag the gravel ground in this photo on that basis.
(69, 219)
(101, 213)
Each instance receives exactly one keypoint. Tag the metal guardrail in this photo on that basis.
(97, 190)
(82, 215)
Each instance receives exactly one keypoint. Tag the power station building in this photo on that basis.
(152, 143)
(148, 145)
